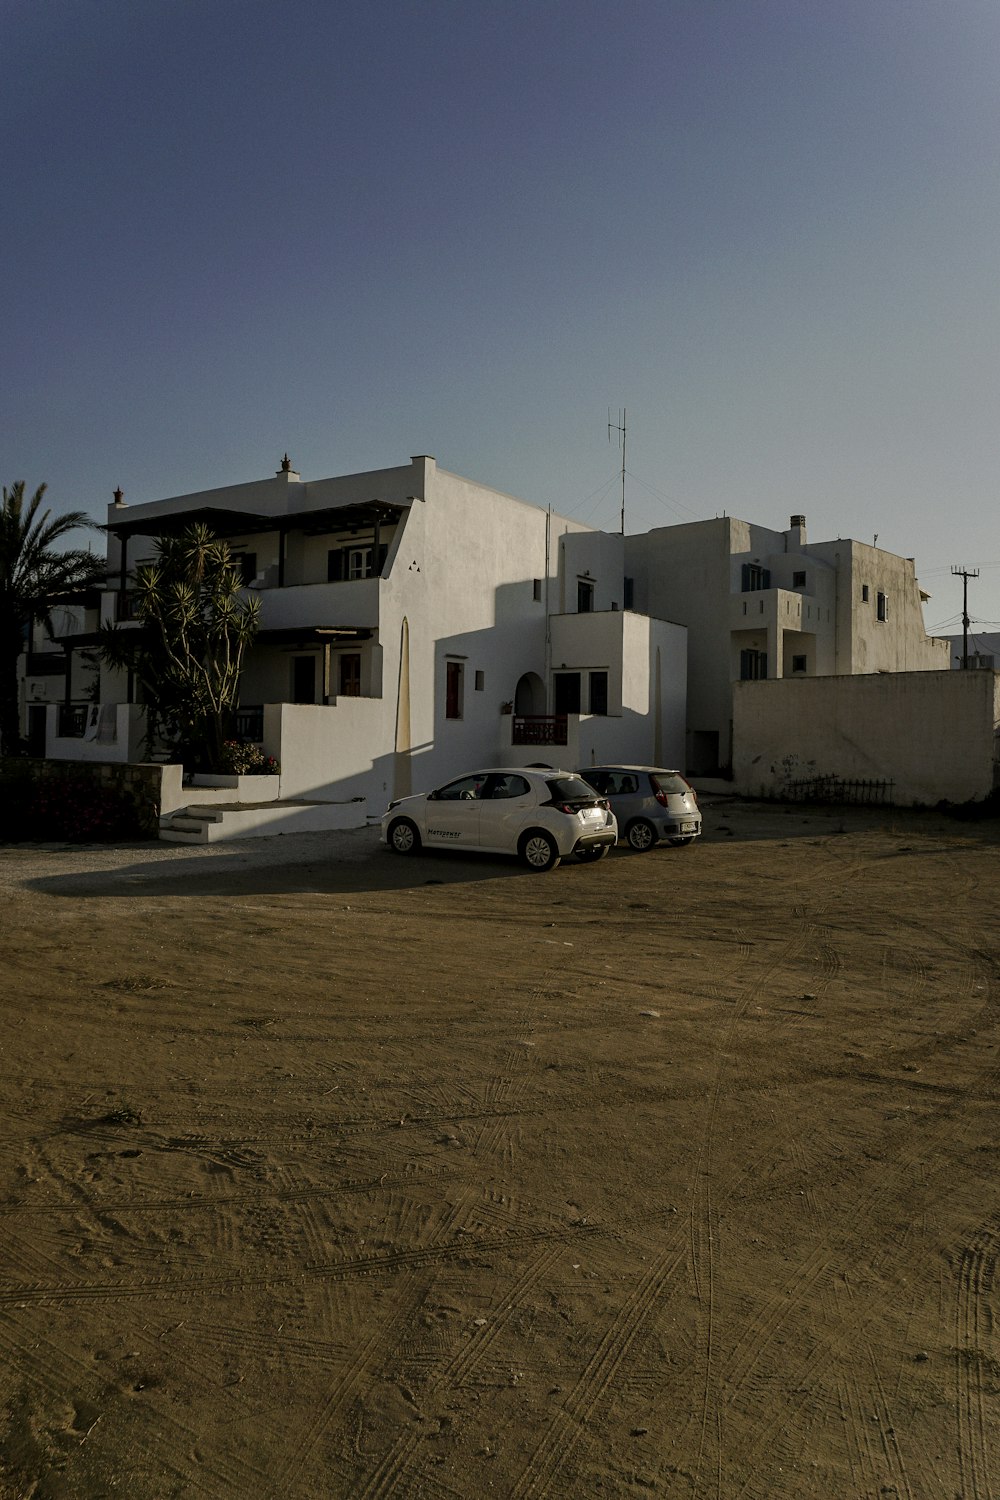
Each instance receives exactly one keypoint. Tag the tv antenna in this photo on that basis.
(619, 427)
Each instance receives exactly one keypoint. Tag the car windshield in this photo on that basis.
(570, 789)
(673, 785)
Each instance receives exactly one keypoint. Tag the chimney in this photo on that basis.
(795, 536)
(287, 472)
(119, 494)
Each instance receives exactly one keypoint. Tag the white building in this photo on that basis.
(982, 648)
(769, 604)
(414, 624)
(57, 668)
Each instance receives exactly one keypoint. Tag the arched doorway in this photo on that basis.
(529, 697)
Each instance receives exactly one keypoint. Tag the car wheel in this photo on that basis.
(641, 835)
(588, 856)
(538, 850)
(403, 837)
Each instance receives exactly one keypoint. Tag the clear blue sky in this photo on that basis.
(770, 229)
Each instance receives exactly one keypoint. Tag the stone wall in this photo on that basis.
(140, 782)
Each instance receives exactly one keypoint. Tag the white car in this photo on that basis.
(649, 803)
(541, 815)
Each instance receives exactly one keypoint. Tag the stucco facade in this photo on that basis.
(762, 604)
(934, 735)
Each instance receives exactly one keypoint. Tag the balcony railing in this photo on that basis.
(72, 721)
(539, 729)
(126, 607)
(249, 723)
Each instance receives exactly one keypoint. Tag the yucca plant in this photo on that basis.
(197, 624)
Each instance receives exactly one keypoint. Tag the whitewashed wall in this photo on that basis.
(934, 734)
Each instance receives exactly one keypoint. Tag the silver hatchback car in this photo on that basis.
(649, 803)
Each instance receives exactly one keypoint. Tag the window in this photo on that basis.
(507, 785)
(480, 681)
(753, 665)
(454, 674)
(247, 564)
(536, 589)
(628, 597)
(798, 663)
(584, 596)
(755, 577)
(598, 692)
(357, 561)
(864, 593)
(567, 686)
(466, 789)
(881, 606)
(798, 580)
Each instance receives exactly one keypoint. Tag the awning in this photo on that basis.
(313, 635)
(221, 522)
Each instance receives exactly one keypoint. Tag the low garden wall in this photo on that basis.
(74, 801)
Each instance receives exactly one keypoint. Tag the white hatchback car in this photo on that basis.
(541, 815)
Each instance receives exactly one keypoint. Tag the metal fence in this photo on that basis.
(539, 729)
(249, 723)
(840, 789)
(72, 721)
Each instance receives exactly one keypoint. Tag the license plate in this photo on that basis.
(688, 827)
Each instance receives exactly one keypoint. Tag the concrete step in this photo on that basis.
(203, 824)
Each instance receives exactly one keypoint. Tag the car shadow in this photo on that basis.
(335, 864)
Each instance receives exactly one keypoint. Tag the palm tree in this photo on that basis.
(33, 577)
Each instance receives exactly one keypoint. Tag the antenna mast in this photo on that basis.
(619, 427)
(965, 574)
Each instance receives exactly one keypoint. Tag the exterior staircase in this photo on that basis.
(207, 823)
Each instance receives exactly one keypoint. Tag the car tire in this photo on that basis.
(403, 837)
(641, 835)
(590, 856)
(538, 850)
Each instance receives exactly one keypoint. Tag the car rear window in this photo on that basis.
(570, 789)
(673, 786)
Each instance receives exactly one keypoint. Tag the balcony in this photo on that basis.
(354, 602)
(539, 729)
(249, 724)
(72, 721)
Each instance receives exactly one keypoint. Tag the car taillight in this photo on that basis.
(661, 798)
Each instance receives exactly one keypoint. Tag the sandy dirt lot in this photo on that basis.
(326, 1173)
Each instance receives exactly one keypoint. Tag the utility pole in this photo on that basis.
(619, 427)
(965, 574)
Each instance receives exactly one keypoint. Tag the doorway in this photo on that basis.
(303, 679)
